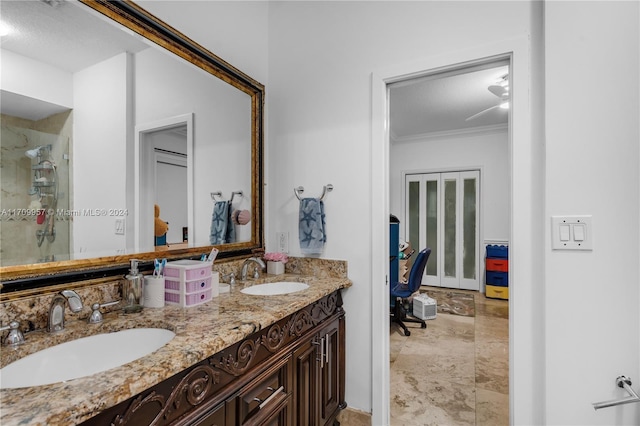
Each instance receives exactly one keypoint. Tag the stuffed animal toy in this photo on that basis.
(161, 227)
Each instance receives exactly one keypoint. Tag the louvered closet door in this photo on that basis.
(442, 213)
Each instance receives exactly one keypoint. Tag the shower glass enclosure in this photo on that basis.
(35, 190)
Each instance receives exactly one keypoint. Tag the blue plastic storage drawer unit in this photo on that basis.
(498, 252)
(500, 279)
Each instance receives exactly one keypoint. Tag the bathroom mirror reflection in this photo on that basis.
(113, 147)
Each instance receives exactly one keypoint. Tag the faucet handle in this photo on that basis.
(96, 315)
(15, 336)
(232, 278)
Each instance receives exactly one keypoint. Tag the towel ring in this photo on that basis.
(299, 190)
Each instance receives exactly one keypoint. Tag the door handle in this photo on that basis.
(320, 357)
(625, 383)
(326, 351)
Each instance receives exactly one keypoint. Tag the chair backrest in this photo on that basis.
(417, 270)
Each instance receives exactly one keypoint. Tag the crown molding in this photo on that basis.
(480, 130)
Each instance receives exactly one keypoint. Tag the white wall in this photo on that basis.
(592, 163)
(222, 129)
(35, 79)
(321, 56)
(487, 152)
(99, 152)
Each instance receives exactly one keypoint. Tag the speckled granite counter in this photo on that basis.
(201, 331)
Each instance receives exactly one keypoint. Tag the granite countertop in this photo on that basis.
(201, 331)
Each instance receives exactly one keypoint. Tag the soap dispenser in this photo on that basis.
(132, 290)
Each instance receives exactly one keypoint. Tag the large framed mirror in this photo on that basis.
(121, 138)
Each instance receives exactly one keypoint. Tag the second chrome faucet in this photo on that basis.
(56, 310)
(256, 272)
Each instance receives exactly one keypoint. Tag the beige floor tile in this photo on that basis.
(492, 408)
(454, 372)
(351, 417)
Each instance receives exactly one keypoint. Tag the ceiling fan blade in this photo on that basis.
(474, 116)
(498, 90)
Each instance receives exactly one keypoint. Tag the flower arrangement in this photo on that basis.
(276, 257)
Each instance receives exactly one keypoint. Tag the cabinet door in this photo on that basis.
(330, 370)
(306, 367)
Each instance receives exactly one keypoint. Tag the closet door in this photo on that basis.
(442, 214)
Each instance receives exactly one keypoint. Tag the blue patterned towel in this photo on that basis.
(311, 227)
(222, 229)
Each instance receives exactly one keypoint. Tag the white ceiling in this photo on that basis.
(441, 103)
(48, 32)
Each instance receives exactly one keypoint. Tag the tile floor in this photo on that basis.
(454, 372)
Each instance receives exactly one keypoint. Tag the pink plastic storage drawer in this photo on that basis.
(189, 286)
(186, 300)
(188, 270)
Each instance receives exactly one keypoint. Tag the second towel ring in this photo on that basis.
(299, 190)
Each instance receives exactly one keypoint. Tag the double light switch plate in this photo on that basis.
(571, 233)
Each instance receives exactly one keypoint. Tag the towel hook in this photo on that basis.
(299, 190)
(219, 194)
(233, 194)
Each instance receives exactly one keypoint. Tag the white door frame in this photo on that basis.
(526, 386)
(144, 167)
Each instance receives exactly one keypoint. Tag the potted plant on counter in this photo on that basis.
(275, 262)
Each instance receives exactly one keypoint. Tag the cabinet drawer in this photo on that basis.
(215, 417)
(500, 279)
(497, 265)
(265, 394)
(497, 292)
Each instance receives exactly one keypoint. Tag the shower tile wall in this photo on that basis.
(18, 243)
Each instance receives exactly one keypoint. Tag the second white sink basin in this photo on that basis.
(273, 289)
(83, 357)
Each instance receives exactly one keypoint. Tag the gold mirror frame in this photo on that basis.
(135, 18)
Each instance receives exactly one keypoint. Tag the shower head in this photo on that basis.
(33, 153)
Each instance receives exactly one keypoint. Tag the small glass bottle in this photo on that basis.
(132, 290)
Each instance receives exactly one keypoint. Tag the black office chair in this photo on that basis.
(402, 291)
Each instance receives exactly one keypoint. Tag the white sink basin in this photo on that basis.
(272, 289)
(83, 357)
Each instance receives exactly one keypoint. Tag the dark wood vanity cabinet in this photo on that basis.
(288, 374)
(319, 375)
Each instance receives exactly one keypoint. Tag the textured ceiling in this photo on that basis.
(68, 36)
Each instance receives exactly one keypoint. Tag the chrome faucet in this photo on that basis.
(256, 272)
(56, 310)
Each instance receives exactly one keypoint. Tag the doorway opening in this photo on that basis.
(164, 174)
(435, 164)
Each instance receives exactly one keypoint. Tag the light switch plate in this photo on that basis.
(283, 241)
(119, 226)
(558, 239)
